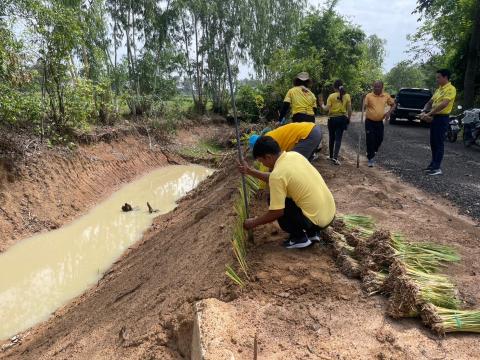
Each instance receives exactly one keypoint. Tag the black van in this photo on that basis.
(410, 103)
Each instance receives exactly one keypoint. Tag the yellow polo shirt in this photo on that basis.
(294, 177)
(337, 107)
(289, 135)
(445, 92)
(302, 102)
(375, 105)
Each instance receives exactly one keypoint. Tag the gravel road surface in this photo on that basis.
(406, 151)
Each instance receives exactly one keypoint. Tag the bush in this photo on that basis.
(250, 103)
(19, 108)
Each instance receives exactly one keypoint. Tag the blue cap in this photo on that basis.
(252, 140)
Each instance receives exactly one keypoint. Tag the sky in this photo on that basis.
(391, 20)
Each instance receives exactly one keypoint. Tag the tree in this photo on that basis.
(405, 74)
(454, 28)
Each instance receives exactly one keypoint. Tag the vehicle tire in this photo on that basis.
(452, 136)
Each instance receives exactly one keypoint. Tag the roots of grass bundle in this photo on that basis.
(372, 281)
(349, 266)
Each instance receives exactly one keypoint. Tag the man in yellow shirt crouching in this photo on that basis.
(303, 137)
(299, 197)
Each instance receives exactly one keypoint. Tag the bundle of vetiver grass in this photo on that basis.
(409, 289)
(407, 272)
(239, 236)
(443, 321)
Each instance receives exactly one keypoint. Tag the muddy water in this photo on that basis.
(42, 273)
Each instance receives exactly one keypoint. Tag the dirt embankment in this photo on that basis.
(298, 303)
(49, 188)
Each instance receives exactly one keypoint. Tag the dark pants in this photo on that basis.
(336, 127)
(310, 144)
(438, 129)
(374, 135)
(298, 117)
(294, 222)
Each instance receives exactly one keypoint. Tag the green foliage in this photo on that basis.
(404, 75)
(250, 103)
(445, 39)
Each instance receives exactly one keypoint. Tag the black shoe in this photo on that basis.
(428, 168)
(297, 242)
(435, 172)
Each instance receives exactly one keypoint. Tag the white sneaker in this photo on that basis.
(371, 163)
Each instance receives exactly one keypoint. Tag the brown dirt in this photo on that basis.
(299, 303)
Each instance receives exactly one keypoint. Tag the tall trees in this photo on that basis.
(454, 27)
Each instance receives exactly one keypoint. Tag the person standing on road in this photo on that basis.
(339, 107)
(304, 138)
(301, 100)
(441, 105)
(299, 197)
(375, 104)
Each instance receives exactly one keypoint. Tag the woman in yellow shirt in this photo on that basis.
(301, 100)
(339, 107)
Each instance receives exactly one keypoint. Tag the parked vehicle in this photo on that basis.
(410, 103)
(455, 126)
(471, 127)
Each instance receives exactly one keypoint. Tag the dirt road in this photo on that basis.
(406, 152)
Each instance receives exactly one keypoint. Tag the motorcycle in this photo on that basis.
(455, 126)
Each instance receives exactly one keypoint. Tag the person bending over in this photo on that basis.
(299, 198)
(304, 138)
(301, 100)
(339, 107)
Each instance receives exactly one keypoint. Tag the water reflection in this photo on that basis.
(42, 273)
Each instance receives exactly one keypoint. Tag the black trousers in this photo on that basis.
(374, 135)
(336, 127)
(298, 117)
(294, 222)
(438, 129)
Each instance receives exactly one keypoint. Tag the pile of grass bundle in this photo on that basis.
(349, 266)
(239, 236)
(409, 289)
(443, 321)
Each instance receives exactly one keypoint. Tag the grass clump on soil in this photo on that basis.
(239, 236)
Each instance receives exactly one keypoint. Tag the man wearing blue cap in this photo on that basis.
(303, 138)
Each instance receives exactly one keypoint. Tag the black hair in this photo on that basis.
(338, 85)
(298, 82)
(445, 73)
(265, 145)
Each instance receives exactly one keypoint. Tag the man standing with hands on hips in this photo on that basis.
(375, 104)
(437, 112)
